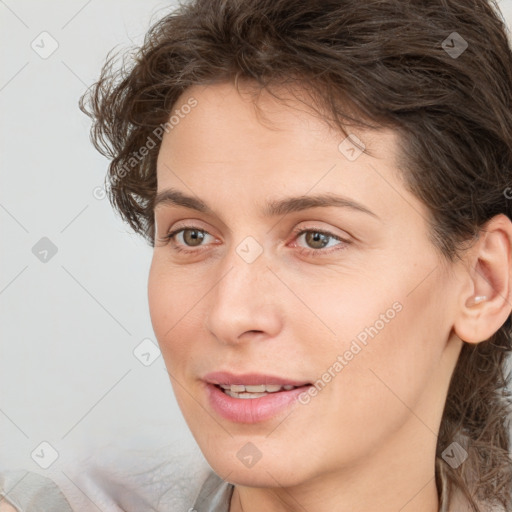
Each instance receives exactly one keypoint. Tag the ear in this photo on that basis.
(486, 298)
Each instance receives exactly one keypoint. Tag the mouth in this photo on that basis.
(251, 398)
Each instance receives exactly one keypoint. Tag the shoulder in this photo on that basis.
(26, 491)
(118, 478)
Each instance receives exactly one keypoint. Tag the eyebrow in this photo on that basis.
(272, 208)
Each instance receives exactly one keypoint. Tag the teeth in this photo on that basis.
(255, 391)
(272, 388)
(244, 395)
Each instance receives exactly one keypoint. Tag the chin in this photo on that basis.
(274, 471)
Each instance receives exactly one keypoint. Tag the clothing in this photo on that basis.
(30, 492)
(214, 495)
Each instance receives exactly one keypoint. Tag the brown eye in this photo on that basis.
(184, 237)
(193, 237)
(316, 240)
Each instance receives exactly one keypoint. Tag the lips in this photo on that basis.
(251, 379)
(251, 397)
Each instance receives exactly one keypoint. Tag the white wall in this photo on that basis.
(69, 326)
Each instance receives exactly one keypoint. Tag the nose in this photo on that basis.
(244, 303)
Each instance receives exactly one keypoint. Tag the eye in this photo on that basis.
(317, 239)
(190, 236)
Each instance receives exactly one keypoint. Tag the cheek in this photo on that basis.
(390, 357)
(159, 299)
(164, 306)
(173, 306)
(391, 329)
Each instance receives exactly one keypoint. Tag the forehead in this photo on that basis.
(247, 126)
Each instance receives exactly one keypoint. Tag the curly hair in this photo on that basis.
(378, 63)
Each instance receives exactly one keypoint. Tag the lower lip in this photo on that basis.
(251, 410)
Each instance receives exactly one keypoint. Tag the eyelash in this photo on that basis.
(297, 232)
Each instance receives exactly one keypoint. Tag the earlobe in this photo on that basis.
(487, 301)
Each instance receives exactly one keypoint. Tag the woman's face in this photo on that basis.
(261, 286)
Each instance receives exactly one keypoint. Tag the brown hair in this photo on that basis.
(388, 63)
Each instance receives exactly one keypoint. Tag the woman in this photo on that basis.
(324, 185)
(326, 189)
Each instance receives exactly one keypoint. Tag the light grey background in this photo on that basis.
(68, 374)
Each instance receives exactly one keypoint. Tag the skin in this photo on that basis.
(367, 441)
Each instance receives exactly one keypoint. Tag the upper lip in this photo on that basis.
(252, 379)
